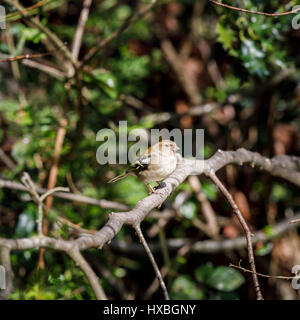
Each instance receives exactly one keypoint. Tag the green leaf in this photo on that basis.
(225, 279)
(225, 35)
(203, 272)
(184, 288)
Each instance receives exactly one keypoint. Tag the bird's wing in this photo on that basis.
(141, 163)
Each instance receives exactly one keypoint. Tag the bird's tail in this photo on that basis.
(121, 176)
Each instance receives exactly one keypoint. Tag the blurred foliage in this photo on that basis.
(249, 51)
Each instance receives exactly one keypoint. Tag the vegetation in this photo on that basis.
(151, 63)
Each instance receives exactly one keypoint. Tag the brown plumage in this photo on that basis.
(155, 165)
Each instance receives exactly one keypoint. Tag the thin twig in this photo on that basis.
(153, 262)
(248, 234)
(53, 72)
(28, 9)
(102, 203)
(89, 273)
(50, 192)
(30, 186)
(35, 21)
(295, 221)
(261, 274)
(255, 12)
(6, 159)
(80, 27)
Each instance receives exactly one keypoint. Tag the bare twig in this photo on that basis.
(53, 72)
(89, 273)
(153, 262)
(80, 27)
(67, 196)
(6, 159)
(206, 207)
(28, 9)
(25, 56)
(74, 226)
(242, 221)
(34, 21)
(295, 221)
(28, 183)
(261, 274)
(255, 12)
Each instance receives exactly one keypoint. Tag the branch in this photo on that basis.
(153, 262)
(295, 221)
(53, 72)
(80, 27)
(89, 273)
(6, 160)
(255, 12)
(286, 167)
(242, 221)
(260, 274)
(67, 196)
(39, 199)
(34, 21)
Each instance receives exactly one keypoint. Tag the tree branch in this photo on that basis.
(153, 262)
(255, 12)
(242, 221)
(285, 167)
(67, 196)
(89, 273)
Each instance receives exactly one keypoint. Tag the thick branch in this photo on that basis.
(284, 167)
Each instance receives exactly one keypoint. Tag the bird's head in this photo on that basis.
(167, 146)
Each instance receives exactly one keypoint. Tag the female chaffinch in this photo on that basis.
(155, 165)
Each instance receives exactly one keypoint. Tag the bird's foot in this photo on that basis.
(160, 186)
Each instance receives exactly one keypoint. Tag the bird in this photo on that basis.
(155, 165)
